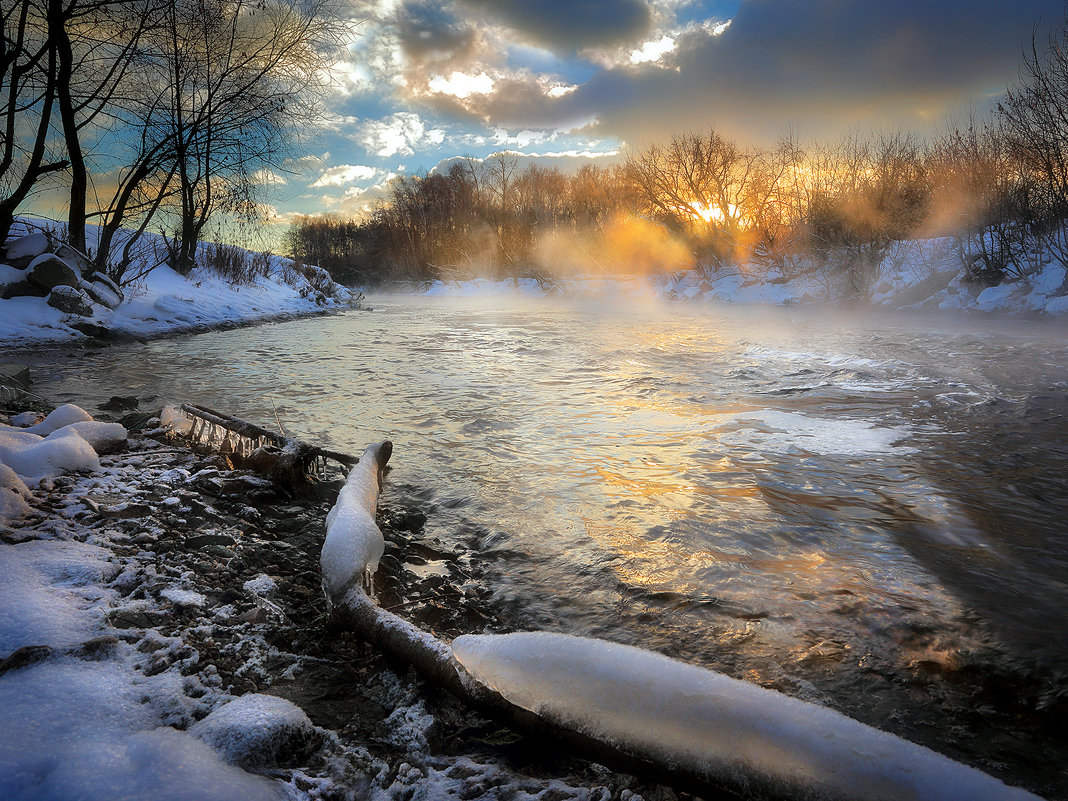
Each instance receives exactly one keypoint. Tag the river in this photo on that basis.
(864, 510)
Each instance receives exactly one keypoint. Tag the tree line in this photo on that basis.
(154, 115)
(996, 188)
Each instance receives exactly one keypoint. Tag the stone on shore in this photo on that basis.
(48, 271)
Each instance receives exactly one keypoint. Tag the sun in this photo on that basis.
(707, 212)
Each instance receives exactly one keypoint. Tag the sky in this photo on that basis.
(567, 82)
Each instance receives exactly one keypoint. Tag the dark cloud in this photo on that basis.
(429, 34)
(570, 25)
(815, 66)
(822, 65)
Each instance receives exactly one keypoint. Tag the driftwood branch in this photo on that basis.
(286, 459)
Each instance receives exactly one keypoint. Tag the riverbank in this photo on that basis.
(52, 296)
(154, 608)
(917, 276)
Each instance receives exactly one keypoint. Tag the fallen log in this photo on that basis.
(287, 460)
(637, 711)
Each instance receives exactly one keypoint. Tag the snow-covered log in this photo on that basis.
(354, 543)
(638, 711)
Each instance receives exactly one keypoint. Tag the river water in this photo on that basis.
(868, 511)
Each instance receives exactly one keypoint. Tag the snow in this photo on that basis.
(181, 597)
(256, 730)
(260, 585)
(63, 416)
(49, 594)
(85, 733)
(26, 246)
(104, 437)
(714, 724)
(63, 451)
(354, 543)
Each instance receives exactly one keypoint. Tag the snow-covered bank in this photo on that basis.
(922, 275)
(162, 636)
(81, 303)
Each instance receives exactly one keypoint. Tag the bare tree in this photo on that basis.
(1035, 119)
(28, 78)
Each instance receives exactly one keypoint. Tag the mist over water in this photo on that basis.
(866, 511)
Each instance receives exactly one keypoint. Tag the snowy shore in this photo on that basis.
(85, 305)
(163, 634)
(924, 275)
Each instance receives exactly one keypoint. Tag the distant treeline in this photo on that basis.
(997, 186)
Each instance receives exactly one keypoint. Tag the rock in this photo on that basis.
(92, 330)
(119, 403)
(24, 657)
(202, 540)
(13, 374)
(22, 289)
(103, 278)
(49, 271)
(20, 252)
(101, 293)
(77, 260)
(258, 731)
(70, 301)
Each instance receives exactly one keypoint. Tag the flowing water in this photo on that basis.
(867, 511)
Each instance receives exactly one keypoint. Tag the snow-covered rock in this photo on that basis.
(62, 416)
(26, 247)
(104, 437)
(70, 300)
(257, 731)
(64, 451)
(354, 543)
(48, 271)
(713, 724)
(13, 495)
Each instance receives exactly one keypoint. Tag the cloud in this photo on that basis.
(399, 133)
(822, 65)
(461, 85)
(344, 174)
(571, 25)
(652, 50)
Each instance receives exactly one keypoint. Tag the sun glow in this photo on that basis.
(709, 212)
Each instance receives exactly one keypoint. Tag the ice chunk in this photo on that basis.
(713, 724)
(258, 731)
(65, 451)
(173, 418)
(63, 416)
(354, 543)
